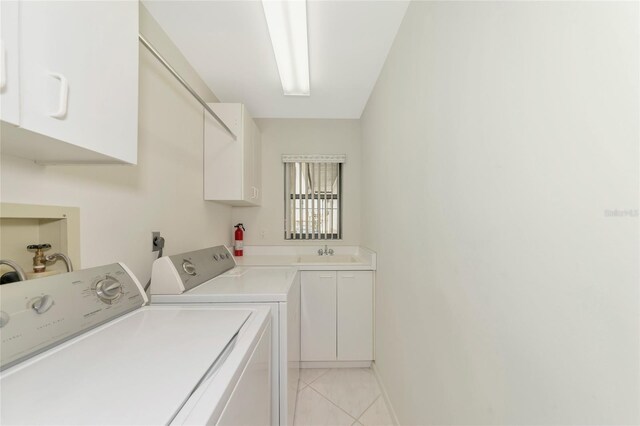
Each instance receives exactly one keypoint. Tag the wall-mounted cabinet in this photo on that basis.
(232, 168)
(10, 72)
(336, 316)
(69, 81)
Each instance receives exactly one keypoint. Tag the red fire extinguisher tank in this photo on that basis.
(238, 240)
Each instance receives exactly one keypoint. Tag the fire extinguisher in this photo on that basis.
(238, 243)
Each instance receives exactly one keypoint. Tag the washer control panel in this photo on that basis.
(41, 313)
(182, 272)
(108, 289)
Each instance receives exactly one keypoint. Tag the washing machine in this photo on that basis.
(210, 277)
(85, 348)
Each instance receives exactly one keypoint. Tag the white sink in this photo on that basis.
(341, 259)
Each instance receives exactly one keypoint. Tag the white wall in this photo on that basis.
(496, 137)
(301, 136)
(121, 205)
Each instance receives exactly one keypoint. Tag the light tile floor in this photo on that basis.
(340, 396)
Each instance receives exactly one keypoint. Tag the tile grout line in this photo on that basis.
(331, 402)
(355, 420)
(327, 398)
(322, 374)
(385, 396)
(367, 409)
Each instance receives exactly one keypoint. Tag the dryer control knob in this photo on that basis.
(108, 289)
(188, 267)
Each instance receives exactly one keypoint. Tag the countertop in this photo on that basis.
(270, 256)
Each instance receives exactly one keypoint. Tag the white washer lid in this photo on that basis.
(139, 369)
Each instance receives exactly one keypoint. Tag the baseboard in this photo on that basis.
(385, 395)
(335, 364)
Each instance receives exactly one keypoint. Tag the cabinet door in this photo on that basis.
(248, 190)
(222, 155)
(288, 404)
(257, 164)
(318, 312)
(79, 74)
(9, 71)
(355, 315)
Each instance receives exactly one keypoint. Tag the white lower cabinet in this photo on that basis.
(337, 316)
(355, 315)
(318, 316)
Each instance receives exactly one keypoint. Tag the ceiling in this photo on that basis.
(228, 44)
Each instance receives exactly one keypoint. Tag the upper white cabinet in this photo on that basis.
(9, 70)
(232, 169)
(74, 97)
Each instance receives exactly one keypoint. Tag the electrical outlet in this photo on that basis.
(154, 240)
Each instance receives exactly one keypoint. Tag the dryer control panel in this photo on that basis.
(182, 272)
(38, 314)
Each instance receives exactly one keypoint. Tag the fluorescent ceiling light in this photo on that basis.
(287, 22)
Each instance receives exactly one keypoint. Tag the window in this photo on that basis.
(313, 197)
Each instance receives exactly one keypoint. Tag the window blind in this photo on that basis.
(313, 198)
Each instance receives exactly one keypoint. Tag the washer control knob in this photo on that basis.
(215, 257)
(188, 267)
(4, 318)
(42, 304)
(109, 289)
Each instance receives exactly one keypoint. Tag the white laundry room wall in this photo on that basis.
(121, 205)
(265, 224)
(498, 143)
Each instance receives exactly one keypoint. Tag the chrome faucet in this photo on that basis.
(52, 258)
(16, 268)
(326, 252)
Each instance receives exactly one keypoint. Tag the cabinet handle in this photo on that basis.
(3, 69)
(63, 96)
(326, 276)
(347, 276)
